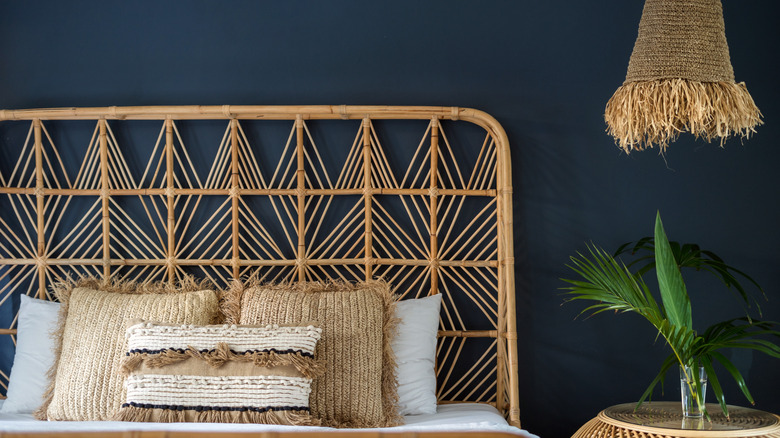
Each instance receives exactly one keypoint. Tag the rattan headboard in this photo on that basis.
(418, 195)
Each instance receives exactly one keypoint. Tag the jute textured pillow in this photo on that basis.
(219, 373)
(87, 384)
(358, 388)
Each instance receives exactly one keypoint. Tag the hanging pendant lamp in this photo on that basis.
(680, 79)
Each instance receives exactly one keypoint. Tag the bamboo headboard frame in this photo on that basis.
(433, 257)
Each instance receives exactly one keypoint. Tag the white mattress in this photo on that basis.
(448, 418)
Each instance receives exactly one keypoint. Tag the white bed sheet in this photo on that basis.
(448, 418)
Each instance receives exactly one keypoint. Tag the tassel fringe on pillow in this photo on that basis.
(305, 364)
(173, 415)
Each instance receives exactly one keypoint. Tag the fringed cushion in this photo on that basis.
(219, 373)
(88, 385)
(358, 388)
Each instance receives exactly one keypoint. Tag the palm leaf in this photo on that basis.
(734, 373)
(716, 388)
(659, 378)
(740, 333)
(675, 299)
(681, 339)
(692, 256)
(609, 283)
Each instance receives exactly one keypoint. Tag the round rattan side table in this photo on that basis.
(665, 420)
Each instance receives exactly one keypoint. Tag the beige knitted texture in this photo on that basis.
(681, 39)
(349, 394)
(89, 385)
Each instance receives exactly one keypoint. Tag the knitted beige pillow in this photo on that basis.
(358, 388)
(87, 384)
(219, 373)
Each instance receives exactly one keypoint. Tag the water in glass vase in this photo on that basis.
(689, 381)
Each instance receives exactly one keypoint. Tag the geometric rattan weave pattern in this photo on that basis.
(420, 196)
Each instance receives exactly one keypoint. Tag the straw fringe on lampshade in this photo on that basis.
(680, 79)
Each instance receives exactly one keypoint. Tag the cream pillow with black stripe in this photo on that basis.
(219, 373)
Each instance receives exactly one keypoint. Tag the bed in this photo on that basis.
(420, 197)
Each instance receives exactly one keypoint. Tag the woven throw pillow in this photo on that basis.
(219, 373)
(87, 384)
(358, 388)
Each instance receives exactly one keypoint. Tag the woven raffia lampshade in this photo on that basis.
(680, 79)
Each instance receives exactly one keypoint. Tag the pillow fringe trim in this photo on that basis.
(298, 417)
(303, 363)
(389, 373)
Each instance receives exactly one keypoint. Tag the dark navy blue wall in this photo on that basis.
(544, 69)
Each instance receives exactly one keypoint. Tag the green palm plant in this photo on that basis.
(613, 286)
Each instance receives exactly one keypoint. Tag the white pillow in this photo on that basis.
(34, 355)
(415, 351)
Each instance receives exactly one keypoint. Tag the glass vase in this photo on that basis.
(690, 380)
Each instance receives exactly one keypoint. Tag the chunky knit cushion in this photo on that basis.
(358, 388)
(219, 373)
(87, 383)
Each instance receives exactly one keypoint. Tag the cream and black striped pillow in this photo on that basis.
(219, 373)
